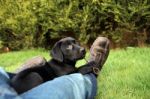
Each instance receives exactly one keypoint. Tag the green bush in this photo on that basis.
(39, 23)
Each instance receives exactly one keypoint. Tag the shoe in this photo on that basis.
(99, 52)
(36, 61)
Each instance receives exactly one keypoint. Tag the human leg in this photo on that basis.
(73, 86)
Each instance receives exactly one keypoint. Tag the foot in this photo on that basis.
(99, 52)
(36, 61)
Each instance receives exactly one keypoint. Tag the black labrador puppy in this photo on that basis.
(65, 54)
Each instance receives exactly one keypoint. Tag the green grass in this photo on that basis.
(12, 60)
(125, 75)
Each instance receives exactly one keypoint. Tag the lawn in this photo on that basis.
(126, 74)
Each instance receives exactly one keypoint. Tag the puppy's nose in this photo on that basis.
(82, 50)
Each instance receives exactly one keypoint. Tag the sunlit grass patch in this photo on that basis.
(126, 75)
(12, 60)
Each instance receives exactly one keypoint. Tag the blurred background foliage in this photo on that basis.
(40, 23)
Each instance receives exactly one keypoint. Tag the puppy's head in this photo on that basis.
(67, 49)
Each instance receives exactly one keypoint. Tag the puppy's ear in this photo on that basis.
(56, 52)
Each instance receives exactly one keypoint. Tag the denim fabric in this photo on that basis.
(73, 86)
(6, 92)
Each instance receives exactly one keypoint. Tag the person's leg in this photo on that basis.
(73, 86)
(6, 92)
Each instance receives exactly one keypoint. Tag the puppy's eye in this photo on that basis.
(70, 47)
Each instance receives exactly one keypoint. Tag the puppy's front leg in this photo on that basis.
(87, 68)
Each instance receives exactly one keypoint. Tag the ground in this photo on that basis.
(125, 75)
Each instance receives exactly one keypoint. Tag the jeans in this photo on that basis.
(73, 86)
